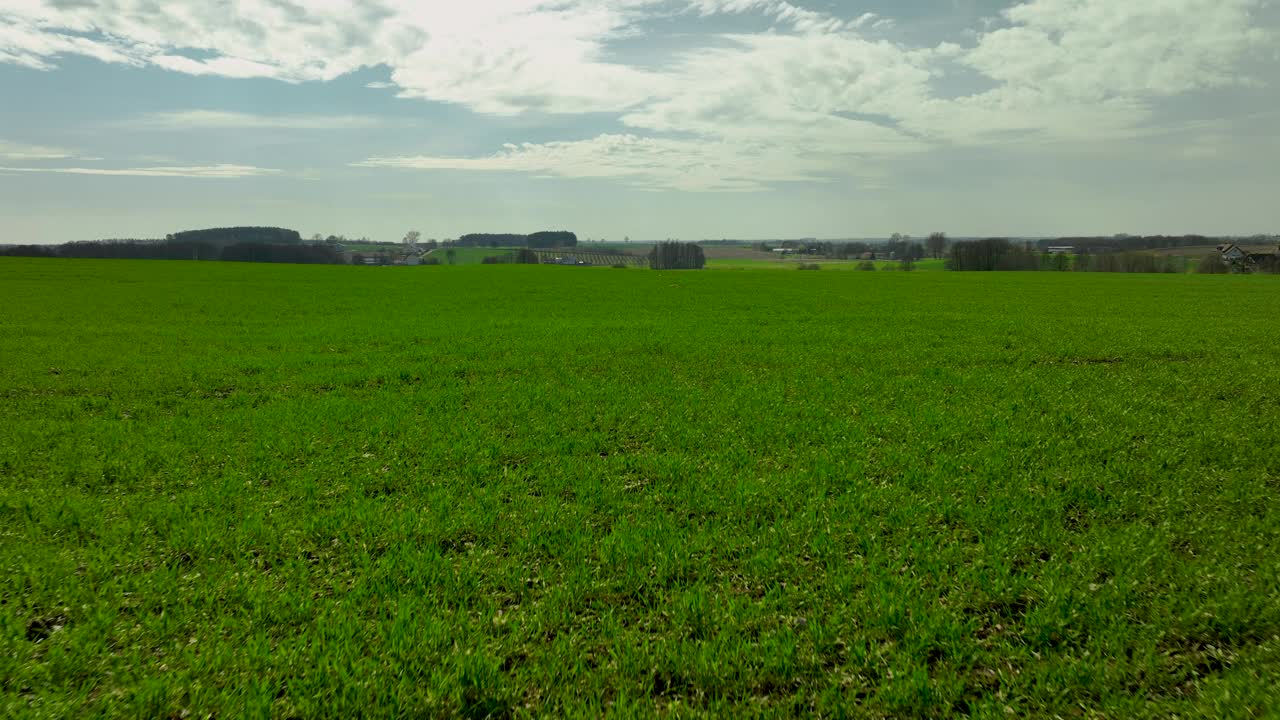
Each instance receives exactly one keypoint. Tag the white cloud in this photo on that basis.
(781, 11)
(815, 95)
(27, 42)
(18, 151)
(1089, 50)
(208, 171)
(864, 19)
(646, 162)
(788, 85)
(190, 119)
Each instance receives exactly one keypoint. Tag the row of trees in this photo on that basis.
(167, 250)
(120, 250)
(676, 256)
(991, 254)
(546, 240)
(522, 256)
(1127, 262)
(994, 254)
(242, 244)
(277, 253)
(897, 247)
(1125, 243)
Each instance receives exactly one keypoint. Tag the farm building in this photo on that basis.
(1241, 260)
(1265, 256)
(1062, 250)
(1232, 253)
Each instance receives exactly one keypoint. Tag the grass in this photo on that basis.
(469, 255)
(272, 491)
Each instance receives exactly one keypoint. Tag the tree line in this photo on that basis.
(676, 256)
(897, 247)
(235, 235)
(543, 240)
(1125, 243)
(240, 244)
(997, 254)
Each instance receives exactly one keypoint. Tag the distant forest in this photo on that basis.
(239, 244)
(545, 240)
(261, 244)
(235, 235)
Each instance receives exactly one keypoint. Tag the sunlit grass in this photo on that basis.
(334, 491)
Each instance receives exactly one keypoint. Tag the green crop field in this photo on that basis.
(469, 255)
(240, 490)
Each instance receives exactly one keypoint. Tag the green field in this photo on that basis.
(469, 255)
(322, 491)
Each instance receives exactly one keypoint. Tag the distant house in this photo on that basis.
(783, 251)
(1232, 254)
(1062, 250)
(1241, 260)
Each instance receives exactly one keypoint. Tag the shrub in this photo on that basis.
(525, 256)
(809, 266)
(1211, 264)
(866, 265)
(907, 264)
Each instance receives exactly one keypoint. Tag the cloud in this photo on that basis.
(28, 42)
(655, 163)
(18, 151)
(208, 171)
(782, 12)
(812, 94)
(380, 85)
(205, 119)
(1090, 50)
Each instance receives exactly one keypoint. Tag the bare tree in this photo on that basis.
(937, 243)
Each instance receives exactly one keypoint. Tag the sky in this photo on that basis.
(641, 119)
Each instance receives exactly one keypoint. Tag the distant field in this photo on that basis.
(720, 252)
(468, 255)
(357, 247)
(298, 491)
(793, 263)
